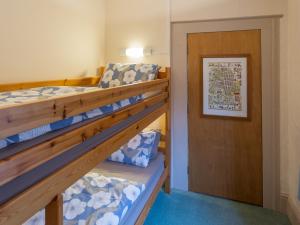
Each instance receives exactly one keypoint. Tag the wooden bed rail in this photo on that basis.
(20, 117)
(84, 81)
(23, 206)
(54, 211)
(47, 193)
(38, 154)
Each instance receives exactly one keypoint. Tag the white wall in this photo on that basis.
(50, 39)
(138, 23)
(293, 81)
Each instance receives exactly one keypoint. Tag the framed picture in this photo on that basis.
(225, 86)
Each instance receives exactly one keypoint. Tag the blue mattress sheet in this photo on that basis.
(102, 198)
(24, 96)
(96, 199)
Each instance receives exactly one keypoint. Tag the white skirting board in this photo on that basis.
(283, 203)
(287, 207)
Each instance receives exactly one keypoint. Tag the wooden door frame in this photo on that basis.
(269, 27)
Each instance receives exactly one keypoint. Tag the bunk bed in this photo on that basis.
(43, 152)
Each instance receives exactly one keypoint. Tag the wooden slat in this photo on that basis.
(18, 118)
(21, 163)
(86, 81)
(147, 207)
(167, 146)
(54, 211)
(162, 137)
(38, 196)
(45, 192)
(100, 72)
(164, 74)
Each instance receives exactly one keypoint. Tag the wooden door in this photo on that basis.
(225, 153)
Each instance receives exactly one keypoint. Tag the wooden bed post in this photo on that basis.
(100, 71)
(54, 211)
(167, 186)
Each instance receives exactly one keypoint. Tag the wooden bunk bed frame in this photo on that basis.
(47, 192)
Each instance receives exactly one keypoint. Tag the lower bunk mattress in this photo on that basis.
(111, 194)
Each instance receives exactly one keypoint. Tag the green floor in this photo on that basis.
(183, 208)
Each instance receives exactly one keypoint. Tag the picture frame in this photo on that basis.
(225, 86)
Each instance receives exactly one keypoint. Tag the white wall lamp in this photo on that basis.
(136, 52)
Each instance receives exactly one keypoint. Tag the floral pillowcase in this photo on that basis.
(139, 150)
(121, 74)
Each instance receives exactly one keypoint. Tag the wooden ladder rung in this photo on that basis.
(54, 211)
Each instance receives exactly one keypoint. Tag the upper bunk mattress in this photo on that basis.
(41, 93)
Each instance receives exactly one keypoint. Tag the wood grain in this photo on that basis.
(17, 118)
(16, 211)
(54, 211)
(47, 193)
(86, 81)
(23, 162)
(225, 155)
(167, 137)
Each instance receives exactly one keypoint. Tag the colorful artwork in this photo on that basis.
(225, 87)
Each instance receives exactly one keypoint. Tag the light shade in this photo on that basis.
(134, 52)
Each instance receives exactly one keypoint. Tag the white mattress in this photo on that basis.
(133, 173)
(148, 176)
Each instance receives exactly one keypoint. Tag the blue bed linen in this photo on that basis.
(117, 74)
(139, 150)
(134, 212)
(96, 200)
(148, 176)
(115, 178)
(23, 96)
(40, 93)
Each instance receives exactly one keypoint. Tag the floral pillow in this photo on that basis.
(139, 150)
(122, 74)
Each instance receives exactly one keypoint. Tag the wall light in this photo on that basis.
(134, 52)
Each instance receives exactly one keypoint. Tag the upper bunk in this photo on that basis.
(18, 117)
(37, 170)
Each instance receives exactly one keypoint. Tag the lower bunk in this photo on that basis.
(111, 194)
